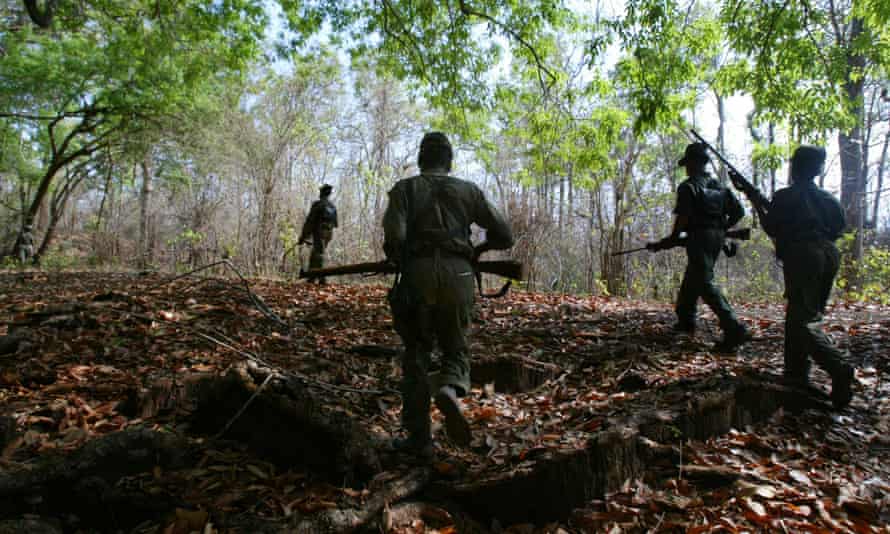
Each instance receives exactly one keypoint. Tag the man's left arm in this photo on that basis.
(498, 235)
(683, 210)
(395, 225)
(309, 223)
(838, 220)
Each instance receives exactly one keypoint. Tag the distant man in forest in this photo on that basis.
(25, 245)
(319, 225)
(427, 234)
(704, 211)
(805, 221)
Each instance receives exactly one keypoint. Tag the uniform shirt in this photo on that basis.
(444, 208)
(801, 213)
(686, 203)
(317, 216)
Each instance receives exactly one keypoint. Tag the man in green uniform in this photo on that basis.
(427, 233)
(25, 245)
(319, 225)
(805, 221)
(705, 210)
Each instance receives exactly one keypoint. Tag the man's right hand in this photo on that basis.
(739, 181)
(480, 249)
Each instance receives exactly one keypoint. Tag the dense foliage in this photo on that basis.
(172, 133)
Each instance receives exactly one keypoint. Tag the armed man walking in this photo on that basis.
(319, 225)
(704, 210)
(805, 221)
(25, 245)
(427, 234)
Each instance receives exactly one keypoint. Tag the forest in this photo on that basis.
(161, 359)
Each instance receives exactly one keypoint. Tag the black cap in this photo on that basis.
(326, 189)
(435, 151)
(807, 162)
(435, 139)
(694, 152)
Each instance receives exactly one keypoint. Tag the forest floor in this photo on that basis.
(151, 404)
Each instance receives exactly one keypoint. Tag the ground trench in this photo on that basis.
(287, 424)
(638, 443)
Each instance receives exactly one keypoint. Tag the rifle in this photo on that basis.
(742, 234)
(757, 199)
(510, 269)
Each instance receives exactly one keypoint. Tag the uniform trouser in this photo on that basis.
(320, 240)
(702, 250)
(439, 311)
(809, 268)
(25, 253)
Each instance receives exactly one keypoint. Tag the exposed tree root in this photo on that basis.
(83, 483)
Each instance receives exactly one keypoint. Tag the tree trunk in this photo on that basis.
(591, 274)
(721, 126)
(850, 146)
(57, 208)
(55, 214)
(106, 193)
(772, 170)
(880, 185)
(145, 255)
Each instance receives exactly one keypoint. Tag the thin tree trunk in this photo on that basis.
(106, 192)
(850, 146)
(145, 256)
(721, 126)
(876, 209)
(772, 170)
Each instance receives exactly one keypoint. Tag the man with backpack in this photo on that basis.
(427, 234)
(804, 222)
(319, 225)
(705, 209)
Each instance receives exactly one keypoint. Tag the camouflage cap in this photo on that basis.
(807, 162)
(694, 152)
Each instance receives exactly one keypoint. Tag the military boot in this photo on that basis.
(456, 425)
(733, 339)
(842, 386)
(797, 371)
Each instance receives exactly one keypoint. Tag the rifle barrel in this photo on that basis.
(623, 252)
(715, 152)
(506, 268)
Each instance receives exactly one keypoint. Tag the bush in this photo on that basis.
(874, 277)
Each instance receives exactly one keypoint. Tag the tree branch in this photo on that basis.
(413, 46)
(44, 19)
(465, 9)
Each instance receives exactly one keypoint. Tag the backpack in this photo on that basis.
(328, 214)
(711, 202)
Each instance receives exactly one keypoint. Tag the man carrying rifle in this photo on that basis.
(319, 225)
(805, 221)
(427, 233)
(705, 210)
